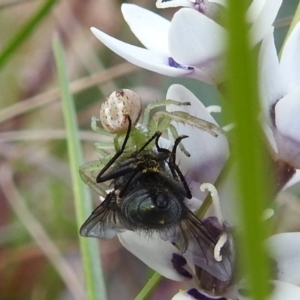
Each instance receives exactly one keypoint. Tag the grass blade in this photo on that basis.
(94, 280)
(149, 287)
(24, 32)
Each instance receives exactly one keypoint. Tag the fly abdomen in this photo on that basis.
(152, 208)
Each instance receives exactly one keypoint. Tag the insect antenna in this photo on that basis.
(134, 174)
(175, 169)
(177, 142)
(160, 149)
(118, 153)
(164, 150)
(156, 136)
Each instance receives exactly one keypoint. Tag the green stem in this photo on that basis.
(149, 287)
(251, 169)
(25, 31)
(94, 279)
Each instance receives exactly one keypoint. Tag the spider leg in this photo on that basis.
(176, 135)
(90, 167)
(185, 118)
(149, 107)
(101, 147)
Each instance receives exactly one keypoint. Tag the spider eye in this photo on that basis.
(148, 210)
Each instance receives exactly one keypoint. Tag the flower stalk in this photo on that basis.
(251, 179)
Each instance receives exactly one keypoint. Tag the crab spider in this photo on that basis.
(113, 117)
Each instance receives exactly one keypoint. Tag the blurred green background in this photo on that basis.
(39, 253)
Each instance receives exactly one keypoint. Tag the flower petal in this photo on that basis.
(280, 291)
(228, 194)
(264, 20)
(151, 29)
(157, 254)
(293, 181)
(150, 60)
(193, 204)
(209, 76)
(272, 87)
(196, 40)
(287, 134)
(194, 294)
(269, 133)
(208, 153)
(290, 59)
(283, 291)
(174, 3)
(285, 250)
(254, 10)
(222, 2)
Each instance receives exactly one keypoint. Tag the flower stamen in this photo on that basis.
(217, 250)
(215, 199)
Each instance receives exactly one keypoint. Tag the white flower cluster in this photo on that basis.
(193, 45)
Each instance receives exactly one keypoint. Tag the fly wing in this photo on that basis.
(200, 245)
(105, 221)
(209, 248)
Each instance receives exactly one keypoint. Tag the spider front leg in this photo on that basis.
(163, 125)
(175, 134)
(187, 119)
(93, 166)
(149, 107)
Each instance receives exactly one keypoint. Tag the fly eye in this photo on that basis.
(162, 202)
(148, 212)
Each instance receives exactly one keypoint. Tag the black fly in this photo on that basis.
(148, 194)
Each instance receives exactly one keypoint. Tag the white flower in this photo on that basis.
(284, 249)
(191, 45)
(280, 94)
